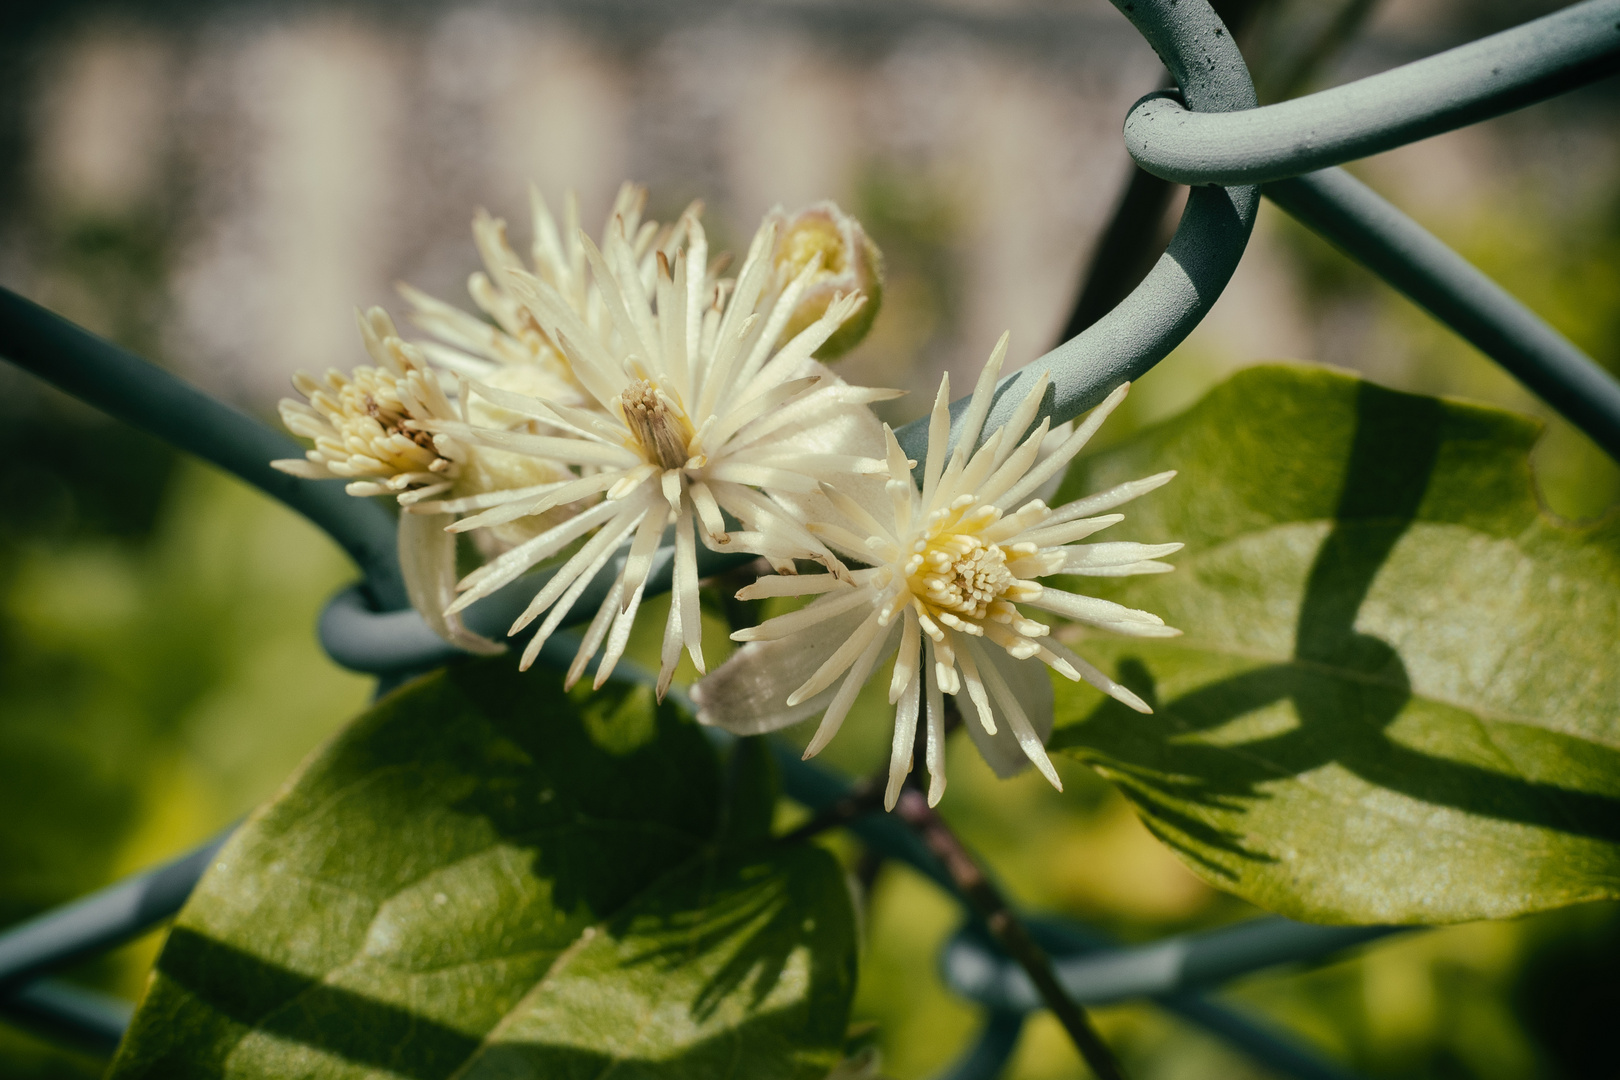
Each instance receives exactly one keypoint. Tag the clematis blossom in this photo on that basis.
(951, 587)
(701, 420)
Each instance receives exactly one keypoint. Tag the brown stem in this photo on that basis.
(1008, 930)
(864, 797)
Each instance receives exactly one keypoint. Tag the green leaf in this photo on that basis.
(486, 876)
(1397, 698)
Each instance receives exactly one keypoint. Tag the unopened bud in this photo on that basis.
(850, 262)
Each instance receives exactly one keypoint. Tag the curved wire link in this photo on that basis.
(1452, 89)
(1188, 278)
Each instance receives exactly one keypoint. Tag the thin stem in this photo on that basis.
(1008, 930)
(865, 797)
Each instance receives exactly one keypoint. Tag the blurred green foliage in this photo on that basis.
(153, 688)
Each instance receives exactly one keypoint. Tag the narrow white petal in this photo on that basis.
(977, 706)
(765, 476)
(1117, 495)
(907, 658)
(510, 564)
(484, 500)
(818, 611)
(1021, 419)
(1065, 453)
(847, 654)
(618, 637)
(905, 727)
(565, 603)
(839, 708)
(686, 592)
(1079, 559)
(747, 695)
(1066, 532)
(427, 559)
(638, 564)
(991, 667)
(939, 433)
(594, 633)
(573, 451)
(1147, 566)
(935, 702)
(1016, 464)
(984, 393)
(1095, 677)
(606, 539)
(790, 585)
(1032, 685)
(1091, 609)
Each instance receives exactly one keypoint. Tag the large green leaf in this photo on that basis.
(1397, 698)
(485, 876)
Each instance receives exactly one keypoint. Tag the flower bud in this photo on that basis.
(850, 263)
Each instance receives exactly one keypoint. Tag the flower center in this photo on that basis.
(657, 424)
(393, 422)
(957, 575)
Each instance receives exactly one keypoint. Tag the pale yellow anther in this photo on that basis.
(660, 431)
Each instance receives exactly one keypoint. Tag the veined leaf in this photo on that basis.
(1397, 698)
(486, 876)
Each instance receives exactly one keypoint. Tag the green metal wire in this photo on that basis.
(1191, 144)
(1184, 284)
(1351, 215)
(143, 395)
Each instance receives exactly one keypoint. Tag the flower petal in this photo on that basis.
(747, 695)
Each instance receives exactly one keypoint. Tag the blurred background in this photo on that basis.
(217, 186)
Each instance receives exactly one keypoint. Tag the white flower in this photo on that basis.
(950, 566)
(365, 426)
(515, 351)
(371, 428)
(692, 413)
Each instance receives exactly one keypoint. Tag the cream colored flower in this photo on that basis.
(365, 426)
(512, 350)
(693, 412)
(951, 569)
(368, 427)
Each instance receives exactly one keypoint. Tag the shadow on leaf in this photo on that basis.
(1345, 688)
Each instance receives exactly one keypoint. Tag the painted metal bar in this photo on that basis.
(1452, 89)
(1366, 227)
(102, 920)
(973, 967)
(141, 394)
(1099, 973)
(89, 1020)
(1188, 278)
(391, 643)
